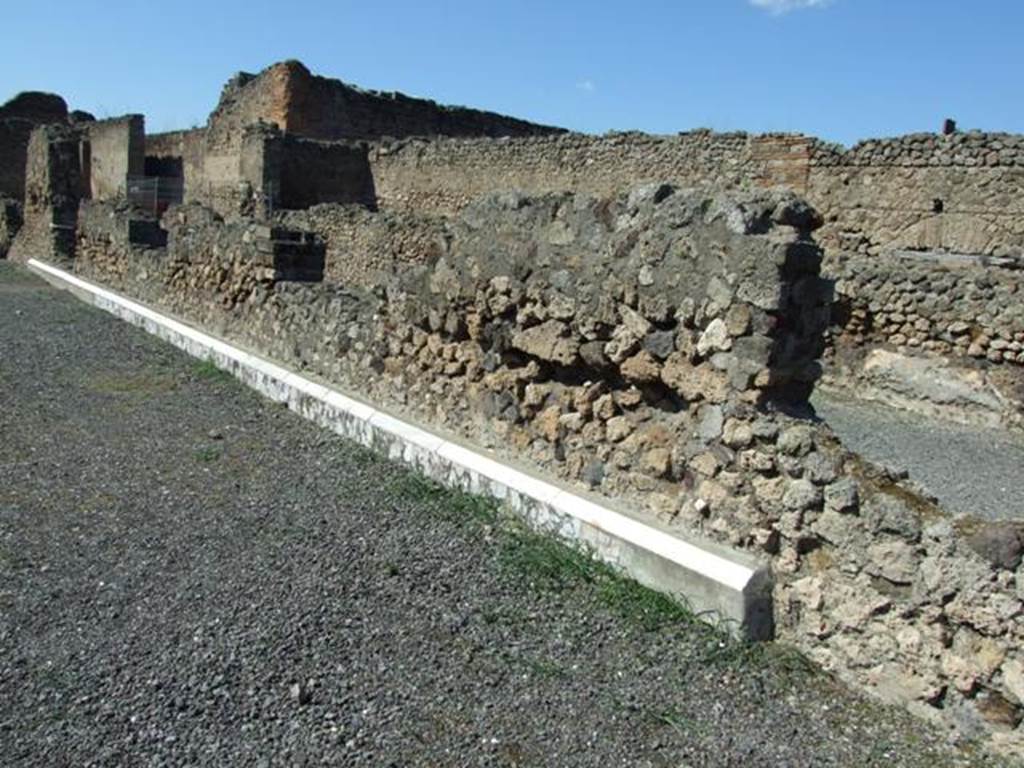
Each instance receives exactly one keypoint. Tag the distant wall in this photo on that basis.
(17, 119)
(443, 176)
(962, 193)
(365, 248)
(959, 193)
(310, 172)
(117, 149)
(289, 96)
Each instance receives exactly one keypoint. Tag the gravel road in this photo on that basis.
(971, 470)
(190, 575)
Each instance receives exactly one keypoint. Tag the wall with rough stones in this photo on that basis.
(365, 248)
(310, 172)
(288, 95)
(961, 193)
(116, 150)
(53, 187)
(258, 169)
(443, 176)
(931, 333)
(652, 347)
(17, 119)
(176, 154)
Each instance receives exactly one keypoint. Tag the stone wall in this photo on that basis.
(176, 154)
(258, 169)
(17, 119)
(943, 335)
(961, 193)
(53, 187)
(289, 96)
(310, 172)
(116, 150)
(365, 248)
(443, 176)
(655, 348)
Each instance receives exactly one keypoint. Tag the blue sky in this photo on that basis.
(840, 69)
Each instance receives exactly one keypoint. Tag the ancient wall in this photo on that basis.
(117, 150)
(961, 193)
(17, 119)
(365, 248)
(176, 154)
(309, 172)
(53, 187)
(14, 137)
(289, 96)
(639, 346)
(942, 335)
(445, 175)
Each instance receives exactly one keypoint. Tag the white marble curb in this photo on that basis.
(724, 585)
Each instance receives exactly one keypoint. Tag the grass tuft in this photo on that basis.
(545, 562)
(132, 384)
(455, 506)
(207, 454)
(207, 370)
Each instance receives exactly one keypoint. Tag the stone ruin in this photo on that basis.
(642, 316)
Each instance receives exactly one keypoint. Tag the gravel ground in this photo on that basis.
(971, 470)
(190, 575)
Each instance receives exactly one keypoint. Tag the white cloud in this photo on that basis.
(587, 86)
(776, 7)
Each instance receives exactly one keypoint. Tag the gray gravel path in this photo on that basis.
(971, 470)
(190, 575)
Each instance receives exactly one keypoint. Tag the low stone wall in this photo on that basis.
(366, 248)
(650, 347)
(933, 334)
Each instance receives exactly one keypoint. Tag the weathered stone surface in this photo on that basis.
(548, 341)
(999, 543)
(894, 561)
(842, 495)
